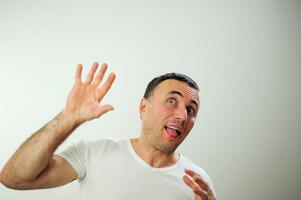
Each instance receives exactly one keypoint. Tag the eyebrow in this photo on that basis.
(180, 94)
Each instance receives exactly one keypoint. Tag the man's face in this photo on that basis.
(169, 114)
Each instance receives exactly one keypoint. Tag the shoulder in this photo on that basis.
(191, 165)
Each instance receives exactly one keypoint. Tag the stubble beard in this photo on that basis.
(155, 141)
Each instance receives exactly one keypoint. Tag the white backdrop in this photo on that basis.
(245, 55)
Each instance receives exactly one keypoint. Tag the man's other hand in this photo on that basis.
(200, 188)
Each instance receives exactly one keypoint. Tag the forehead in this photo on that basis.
(165, 87)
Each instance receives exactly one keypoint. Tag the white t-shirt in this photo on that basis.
(111, 170)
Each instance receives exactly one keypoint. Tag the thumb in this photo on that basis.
(102, 110)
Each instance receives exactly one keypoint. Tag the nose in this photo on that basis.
(181, 114)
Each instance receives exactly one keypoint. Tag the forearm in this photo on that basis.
(35, 153)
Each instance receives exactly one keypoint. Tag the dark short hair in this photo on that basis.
(176, 76)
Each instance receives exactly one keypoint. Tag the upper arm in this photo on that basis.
(58, 172)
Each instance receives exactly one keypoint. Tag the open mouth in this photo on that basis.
(172, 131)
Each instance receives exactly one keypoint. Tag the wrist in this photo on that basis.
(69, 119)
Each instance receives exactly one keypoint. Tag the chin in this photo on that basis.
(169, 149)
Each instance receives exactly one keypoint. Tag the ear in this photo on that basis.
(142, 107)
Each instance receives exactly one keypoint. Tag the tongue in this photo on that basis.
(171, 132)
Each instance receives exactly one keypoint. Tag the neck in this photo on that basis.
(154, 157)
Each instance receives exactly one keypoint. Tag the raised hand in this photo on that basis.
(84, 100)
(200, 188)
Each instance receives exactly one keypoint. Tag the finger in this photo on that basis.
(190, 172)
(91, 73)
(198, 179)
(195, 187)
(100, 74)
(203, 185)
(102, 91)
(102, 110)
(78, 73)
(188, 180)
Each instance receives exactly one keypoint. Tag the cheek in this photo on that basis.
(157, 113)
(191, 123)
(152, 116)
(164, 109)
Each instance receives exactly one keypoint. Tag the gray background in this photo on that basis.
(245, 55)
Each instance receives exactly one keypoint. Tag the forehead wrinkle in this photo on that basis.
(180, 94)
(175, 92)
(194, 93)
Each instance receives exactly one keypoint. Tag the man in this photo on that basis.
(141, 168)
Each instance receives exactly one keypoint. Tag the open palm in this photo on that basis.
(84, 100)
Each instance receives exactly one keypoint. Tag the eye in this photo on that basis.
(190, 110)
(172, 101)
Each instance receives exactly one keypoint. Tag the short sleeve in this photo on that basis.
(82, 154)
